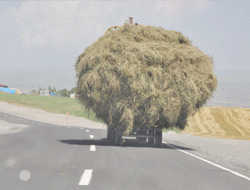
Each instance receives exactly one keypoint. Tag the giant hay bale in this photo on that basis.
(144, 76)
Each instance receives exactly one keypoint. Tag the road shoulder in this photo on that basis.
(230, 153)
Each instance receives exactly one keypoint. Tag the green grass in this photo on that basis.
(175, 129)
(50, 104)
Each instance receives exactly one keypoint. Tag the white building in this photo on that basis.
(44, 93)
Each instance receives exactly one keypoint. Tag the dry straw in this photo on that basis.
(144, 76)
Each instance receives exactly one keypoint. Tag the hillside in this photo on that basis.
(221, 122)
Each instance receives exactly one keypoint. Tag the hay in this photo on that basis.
(144, 76)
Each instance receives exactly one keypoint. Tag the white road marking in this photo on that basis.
(86, 177)
(92, 148)
(91, 136)
(87, 131)
(221, 167)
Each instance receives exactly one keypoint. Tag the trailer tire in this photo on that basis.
(151, 140)
(113, 137)
(109, 134)
(117, 137)
(158, 138)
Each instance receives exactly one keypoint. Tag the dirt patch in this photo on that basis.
(9, 128)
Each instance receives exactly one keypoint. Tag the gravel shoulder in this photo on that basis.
(230, 153)
(46, 117)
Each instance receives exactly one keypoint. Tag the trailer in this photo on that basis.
(153, 135)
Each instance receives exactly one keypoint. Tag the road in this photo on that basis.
(47, 156)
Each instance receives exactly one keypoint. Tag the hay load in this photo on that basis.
(144, 76)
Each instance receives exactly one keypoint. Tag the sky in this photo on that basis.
(41, 40)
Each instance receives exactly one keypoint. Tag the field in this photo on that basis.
(221, 122)
(51, 104)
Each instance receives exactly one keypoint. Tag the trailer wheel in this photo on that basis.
(109, 134)
(151, 140)
(117, 137)
(113, 137)
(158, 138)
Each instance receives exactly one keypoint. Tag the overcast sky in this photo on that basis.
(41, 40)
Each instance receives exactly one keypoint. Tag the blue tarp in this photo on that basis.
(8, 90)
(52, 93)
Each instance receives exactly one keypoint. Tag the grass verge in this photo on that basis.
(50, 104)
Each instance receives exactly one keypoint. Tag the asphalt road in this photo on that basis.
(46, 156)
